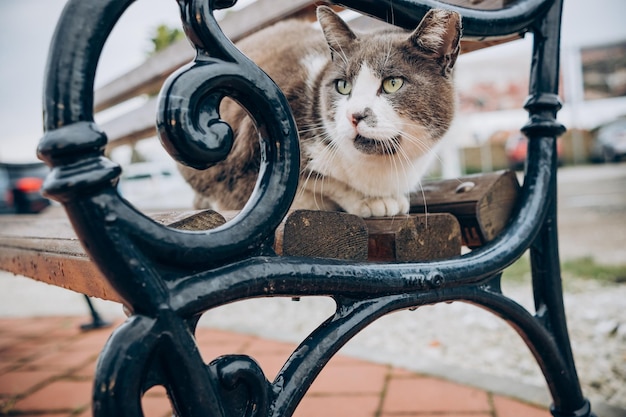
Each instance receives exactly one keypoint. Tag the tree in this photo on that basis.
(164, 37)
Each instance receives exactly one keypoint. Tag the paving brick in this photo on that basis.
(429, 395)
(258, 345)
(22, 350)
(86, 413)
(63, 359)
(212, 350)
(35, 354)
(156, 391)
(20, 382)
(403, 373)
(38, 326)
(216, 336)
(20, 326)
(88, 370)
(270, 363)
(156, 406)
(340, 359)
(506, 407)
(6, 340)
(338, 406)
(68, 326)
(93, 340)
(438, 414)
(351, 379)
(61, 395)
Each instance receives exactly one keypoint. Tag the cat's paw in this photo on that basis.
(382, 207)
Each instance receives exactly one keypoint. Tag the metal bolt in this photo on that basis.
(464, 187)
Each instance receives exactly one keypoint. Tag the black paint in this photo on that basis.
(168, 278)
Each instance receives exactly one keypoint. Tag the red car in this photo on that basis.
(20, 188)
(516, 148)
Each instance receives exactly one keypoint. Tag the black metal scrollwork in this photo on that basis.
(168, 278)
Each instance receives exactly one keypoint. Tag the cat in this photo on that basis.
(370, 109)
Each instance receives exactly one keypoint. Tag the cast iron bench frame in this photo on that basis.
(169, 277)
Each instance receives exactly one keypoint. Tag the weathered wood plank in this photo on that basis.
(482, 203)
(338, 235)
(415, 237)
(190, 220)
(472, 210)
(149, 76)
(45, 248)
(76, 273)
(325, 234)
(132, 126)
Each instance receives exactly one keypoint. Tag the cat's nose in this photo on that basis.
(366, 114)
(355, 118)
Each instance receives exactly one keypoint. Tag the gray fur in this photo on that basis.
(306, 63)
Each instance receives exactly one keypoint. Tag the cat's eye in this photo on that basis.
(343, 87)
(392, 84)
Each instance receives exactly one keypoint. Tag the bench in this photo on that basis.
(46, 248)
(169, 268)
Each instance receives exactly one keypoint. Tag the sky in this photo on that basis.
(26, 27)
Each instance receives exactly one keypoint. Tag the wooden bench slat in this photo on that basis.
(470, 210)
(324, 235)
(148, 77)
(73, 272)
(482, 203)
(45, 247)
(132, 126)
(414, 237)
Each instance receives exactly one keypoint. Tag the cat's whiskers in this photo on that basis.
(419, 183)
(421, 143)
(421, 188)
(407, 163)
(327, 155)
(403, 160)
(309, 129)
(426, 149)
(303, 183)
(429, 150)
(333, 149)
(393, 161)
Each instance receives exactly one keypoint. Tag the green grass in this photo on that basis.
(588, 268)
(585, 268)
(518, 271)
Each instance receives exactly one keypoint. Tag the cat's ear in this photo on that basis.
(439, 35)
(337, 33)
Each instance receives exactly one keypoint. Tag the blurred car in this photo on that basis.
(516, 148)
(20, 188)
(609, 144)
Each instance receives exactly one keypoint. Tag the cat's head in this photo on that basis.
(390, 92)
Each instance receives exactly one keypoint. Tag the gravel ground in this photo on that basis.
(451, 338)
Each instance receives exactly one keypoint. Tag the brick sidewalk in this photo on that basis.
(47, 366)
